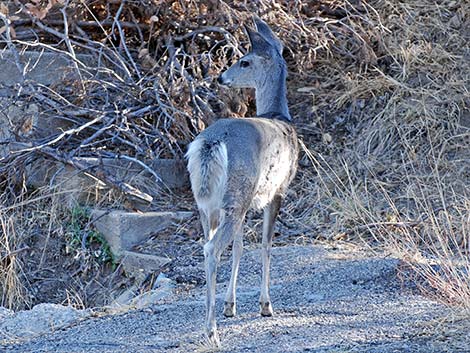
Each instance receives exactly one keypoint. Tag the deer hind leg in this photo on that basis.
(211, 219)
(230, 305)
(212, 251)
(270, 213)
(205, 223)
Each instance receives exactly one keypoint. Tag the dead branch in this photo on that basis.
(403, 224)
(60, 136)
(82, 24)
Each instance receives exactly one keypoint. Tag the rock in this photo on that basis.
(43, 318)
(24, 119)
(81, 188)
(149, 298)
(327, 138)
(455, 22)
(173, 173)
(162, 289)
(314, 297)
(162, 281)
(42, 67)
(123, 230)
(153, 296)
(16, 118)
(124, 299)
(139, 265)
(5, 313)
(361, 103)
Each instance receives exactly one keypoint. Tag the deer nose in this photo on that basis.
(224, 81)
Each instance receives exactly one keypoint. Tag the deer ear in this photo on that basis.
(263, 29)
(258, 43)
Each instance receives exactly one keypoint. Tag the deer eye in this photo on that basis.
(244, 63)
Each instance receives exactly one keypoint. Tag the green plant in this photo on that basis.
(84, 241)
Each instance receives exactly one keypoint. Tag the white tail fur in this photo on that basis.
(207, 166)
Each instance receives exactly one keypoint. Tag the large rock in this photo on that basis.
(21, 117)
(80, 188)
(124, 230)
(24, 119)
(41, 67)
(139, 265)
(41, 319)
(162, 290)
(17, 118)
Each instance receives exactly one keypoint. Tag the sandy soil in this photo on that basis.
(325, 300)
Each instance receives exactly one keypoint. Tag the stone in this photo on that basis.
(162, 289)
(173, 173)
(139, 265)
(42, 67)
(123, 230)
(16, 118)
(150, 298)
(455, 22)
(41, 319)
(5, 313)
(162, 281)
(72, 187)
(80, 188)
(124, 299)
(24, 119)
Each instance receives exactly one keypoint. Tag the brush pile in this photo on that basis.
(378, 91)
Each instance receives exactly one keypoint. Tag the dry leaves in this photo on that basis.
(38, 10)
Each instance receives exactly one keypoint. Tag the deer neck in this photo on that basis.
(271, 97)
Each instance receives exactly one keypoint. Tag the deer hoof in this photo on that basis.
(266, 309)
(213, 338)
(229, 309)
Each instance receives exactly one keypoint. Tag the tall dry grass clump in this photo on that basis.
(11, 285)
(402, 174)
(49, 252)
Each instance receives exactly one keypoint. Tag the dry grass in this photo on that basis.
(400, 174)
(50, 253)
(379, 91)
(12, 287)
(452, 331)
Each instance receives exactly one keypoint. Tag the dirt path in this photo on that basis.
(325, 300)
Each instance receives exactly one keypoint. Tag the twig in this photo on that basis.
(202, 30)
(404, 224)
(13, 253)
(69, 44)
(60, 137)
(10, 45)
(89, 24)
(98, 133)
(116, 53)
(142, 164)
(123, 39)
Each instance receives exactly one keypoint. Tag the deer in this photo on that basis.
(240, 163)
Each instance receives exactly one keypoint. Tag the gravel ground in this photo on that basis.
(325, 300)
